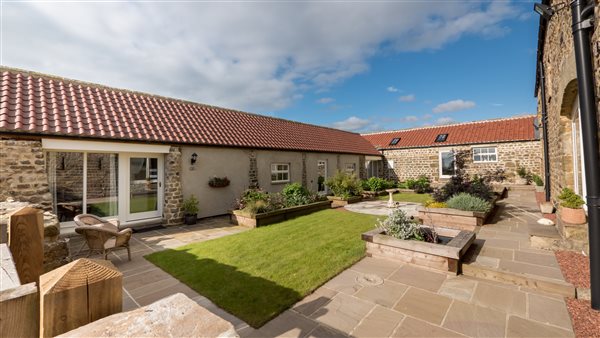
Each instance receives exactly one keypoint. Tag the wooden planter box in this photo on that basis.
(240, 217)
(444, 256)
(340, 202)
(454, 218)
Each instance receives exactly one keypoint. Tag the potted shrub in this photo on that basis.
(571, 210)
(525, 176)
(190, 210)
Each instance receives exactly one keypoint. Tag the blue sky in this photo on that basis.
(359, 66)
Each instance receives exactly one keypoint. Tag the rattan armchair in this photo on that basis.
(101, 235)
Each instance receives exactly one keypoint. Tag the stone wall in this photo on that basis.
(173, 197)
(23, 173)
(561, 94)
(413, 162)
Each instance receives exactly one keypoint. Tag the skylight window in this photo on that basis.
(441, 138)
(394, 141)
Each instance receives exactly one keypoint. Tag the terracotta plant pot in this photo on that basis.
(572, 216)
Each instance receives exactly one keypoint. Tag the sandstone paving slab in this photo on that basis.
(323, 331)
(153, 287)
(386, 294)
(210, 306)
(380, 267)
(549, 311)
(502, 243)
(509, 300)
(499, 253)
(165, 292)
(412, 327)
(536, 258)
(458, 287)
(289, 324)
(133, 282)
(520, 327)
(424, 305)
(343, 313)
(475, 321)
(345, 282)
(532, 269)
(420, 278)
(311, 303)
(381, 322)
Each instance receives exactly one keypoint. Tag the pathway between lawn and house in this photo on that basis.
(410, 301)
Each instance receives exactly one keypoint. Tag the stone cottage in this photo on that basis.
(555, 52)
(505, 144)
(75, 147)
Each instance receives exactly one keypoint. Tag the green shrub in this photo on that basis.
(525, 174)
(257, 207)
(410, 183)
(295, 194)
(569, 199)
(402, 185)
(344, 185)
(538, 180)
(389, 184)
(375, 184)
(464, 201)
(400, 226)
(190, 205)
(422, 185)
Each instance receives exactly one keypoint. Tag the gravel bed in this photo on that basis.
(586, 321)
(575, 268)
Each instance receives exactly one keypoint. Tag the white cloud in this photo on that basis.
(407, 98)
(409, 118)
(352, 123)
(427, 117)
(452, 106)
(444, 120)
(245, 55)
(325, 100)
(392, 89)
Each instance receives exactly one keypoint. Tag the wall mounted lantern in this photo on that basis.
(194, 158)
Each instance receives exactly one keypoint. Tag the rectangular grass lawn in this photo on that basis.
(257, 274)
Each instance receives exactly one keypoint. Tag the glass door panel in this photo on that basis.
(143, 187)
(65, 176)
(102, 184)
(322, 172)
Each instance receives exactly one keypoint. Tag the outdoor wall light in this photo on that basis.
(194, 158)
(544, 10)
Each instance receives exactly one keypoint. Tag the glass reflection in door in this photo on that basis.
(143, 184)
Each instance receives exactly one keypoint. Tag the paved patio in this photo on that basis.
(380, 208)
(395, 300)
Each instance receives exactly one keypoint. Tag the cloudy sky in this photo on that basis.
(360, 66)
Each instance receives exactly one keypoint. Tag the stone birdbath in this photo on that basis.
(391, 203)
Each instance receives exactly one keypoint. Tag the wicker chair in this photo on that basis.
(101, 235)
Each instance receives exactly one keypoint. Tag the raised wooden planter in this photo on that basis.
(367, 194)
(452, 218)
(243, 218)
(340, 202)
(444, 256)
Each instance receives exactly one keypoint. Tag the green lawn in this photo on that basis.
(407, 197)
(257, 274)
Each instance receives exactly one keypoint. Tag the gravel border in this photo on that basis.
(586, 321)
(575, 268)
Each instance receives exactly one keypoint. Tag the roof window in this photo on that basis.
(394, 141)
(441, 138)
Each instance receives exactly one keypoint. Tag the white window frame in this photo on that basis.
(350, 168)
(481, 160)
(275, 170)
(440, 162)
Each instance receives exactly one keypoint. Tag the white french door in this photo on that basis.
(142, 185)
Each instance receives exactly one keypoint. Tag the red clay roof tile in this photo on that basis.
(42, 104)
(490, 131)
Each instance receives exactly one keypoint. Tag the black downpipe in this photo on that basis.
(589, 131)
(545, 132)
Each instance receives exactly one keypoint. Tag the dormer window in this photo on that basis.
(394, 141)
(441, 138)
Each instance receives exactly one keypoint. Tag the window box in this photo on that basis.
(243, 218)
(218, 182)
(446, 255)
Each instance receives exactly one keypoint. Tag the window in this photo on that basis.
(487, 154)
(394, 141)
(447, 164)
(280, 172)
(350, 168)
(441, 138)
(390, 164)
